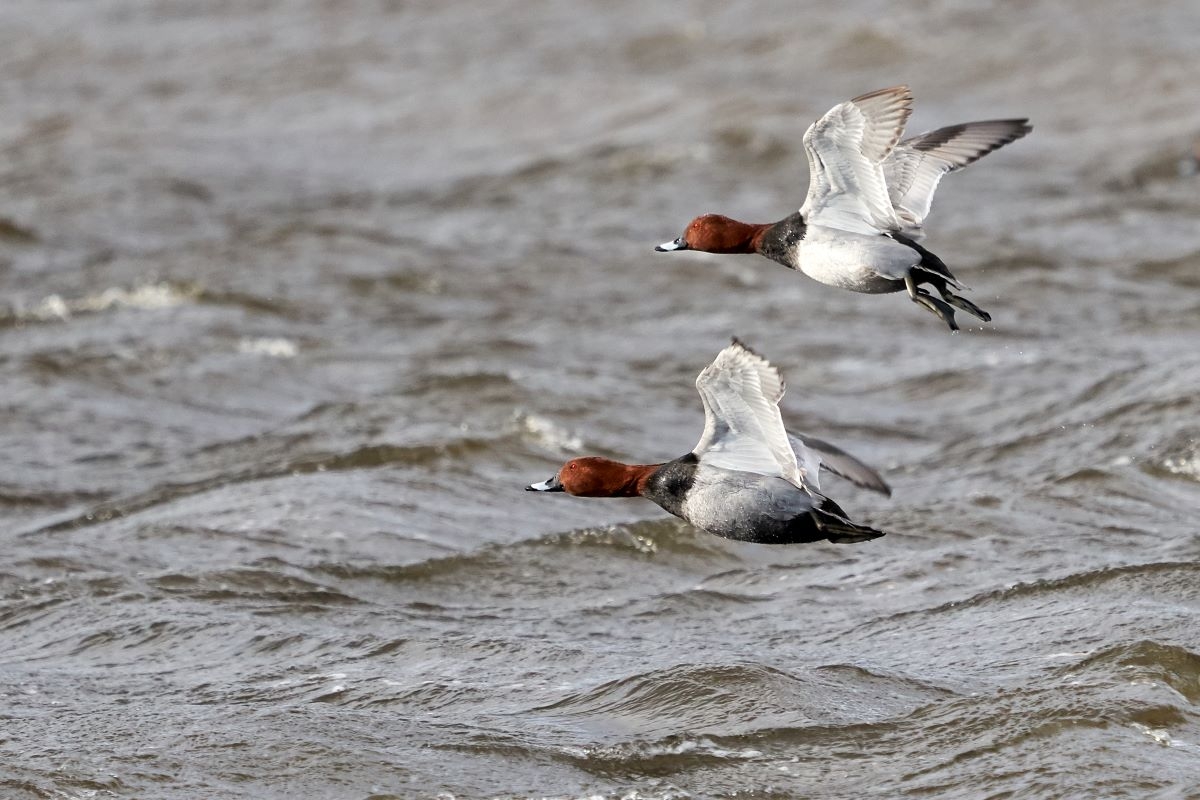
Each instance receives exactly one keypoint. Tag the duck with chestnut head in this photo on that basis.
(747, 478)
(868, 196)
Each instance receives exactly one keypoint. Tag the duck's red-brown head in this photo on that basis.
(593, 476)
(713, 233)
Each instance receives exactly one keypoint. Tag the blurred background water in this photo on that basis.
(296, 296)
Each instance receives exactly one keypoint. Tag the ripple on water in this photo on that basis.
(1175, 582)
(249, 585)
(739, 699)
(667, 540)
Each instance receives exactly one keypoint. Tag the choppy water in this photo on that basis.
(296, 297)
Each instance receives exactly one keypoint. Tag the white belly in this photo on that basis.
(855, 261)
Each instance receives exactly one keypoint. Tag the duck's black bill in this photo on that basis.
(552, 485)
(667, 247)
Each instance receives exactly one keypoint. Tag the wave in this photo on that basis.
(257, 584)
(1182, 576)
(639, 540)
(736, 700)
(16, 233)
(1172, 665)
(265, 451)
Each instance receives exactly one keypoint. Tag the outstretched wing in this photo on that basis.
(846, 149)
(742, 426)
(812, 454)
(915, 166)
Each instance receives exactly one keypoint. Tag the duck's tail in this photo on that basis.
(832, 521)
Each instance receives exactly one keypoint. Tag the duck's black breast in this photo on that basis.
(781, 239)
(669, 484)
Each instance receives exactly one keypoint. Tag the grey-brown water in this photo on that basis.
(297, 296)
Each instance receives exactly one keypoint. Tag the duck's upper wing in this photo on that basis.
(812, 454)
(742, 427)
(846, 148)
(914, 167)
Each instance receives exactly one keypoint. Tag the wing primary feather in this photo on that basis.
(916, 165)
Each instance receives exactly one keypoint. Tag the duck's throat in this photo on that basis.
(635, 478)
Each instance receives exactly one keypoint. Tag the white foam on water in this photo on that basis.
(1188, 466)
(148, 297)
(273, 347)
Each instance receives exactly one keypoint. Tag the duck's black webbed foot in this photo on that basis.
(940, 308)
(966, 305)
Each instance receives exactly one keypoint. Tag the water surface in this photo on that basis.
(295, 297)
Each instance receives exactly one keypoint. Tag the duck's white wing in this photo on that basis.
(846, 149)
(915, 166)
(742, 426)
(812, 454)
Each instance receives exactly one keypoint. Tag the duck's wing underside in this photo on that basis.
(846, 149)
(743, 429)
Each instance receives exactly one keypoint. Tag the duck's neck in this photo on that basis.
(756, 239)
(743, 237)
(626, 480)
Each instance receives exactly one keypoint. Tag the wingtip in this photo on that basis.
(1020, 127)
(737, 348)
(901, 94)
(738, 343)
(898, 89)
(872, 483)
